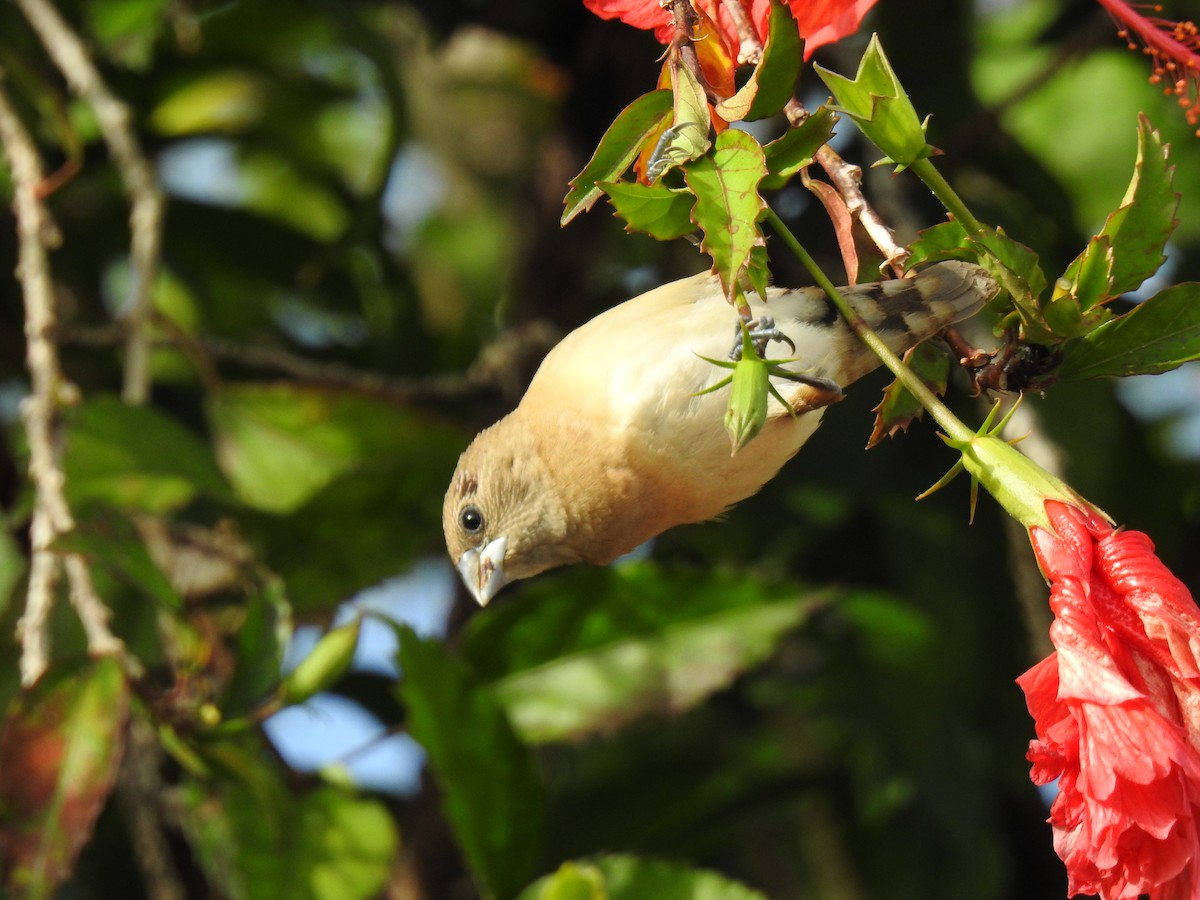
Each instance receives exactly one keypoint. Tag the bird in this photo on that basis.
(616, 440)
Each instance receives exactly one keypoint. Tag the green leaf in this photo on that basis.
(617, 150)
(127, 29)
(1088, 280)
(660, 673)
(135, 457)
(945, 240)
(790, 153)
(691, 122)
(1158, 335)
(59, 753)
(261, 640)
(222, 101)
(493, 798)
(633, 641)
(115, 544)
(626, 877)
(662, 212)
(256, 840)
(1142, 224)
(899, 407)
(327, 662)
(12, 565)
(773, 82)
(728, 205)
(282, 443)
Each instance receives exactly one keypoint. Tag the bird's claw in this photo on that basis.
(762, 331)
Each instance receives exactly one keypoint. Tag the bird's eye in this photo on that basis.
(471, 519)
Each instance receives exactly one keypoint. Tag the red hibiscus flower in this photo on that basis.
(820, 21)
(1117, 711)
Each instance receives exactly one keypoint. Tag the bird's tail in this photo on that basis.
(903, 312)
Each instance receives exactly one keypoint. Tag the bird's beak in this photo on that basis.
(482, 569)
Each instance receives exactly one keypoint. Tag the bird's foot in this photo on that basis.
(761, 331)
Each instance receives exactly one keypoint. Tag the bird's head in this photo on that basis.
(503, 517)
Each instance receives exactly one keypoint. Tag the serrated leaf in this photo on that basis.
(877, 102)
(135, 457)
(662, 212)
(115, 544)
(627, 877)
(795, 149)
(1089, 278)
(1158, 335)
(1139, 229)
(261, 639)
(728, 205)
(617, 150)
(945, 240)
(59, 753)
(493, 798)
(687, 138)
(899, 407)
(773, 82)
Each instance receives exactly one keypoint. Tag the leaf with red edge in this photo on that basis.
(662, 212)
(725, 182)
(1141, 226)
(1158, 335)
(59, 751)
(617, 150)
(898, 407)
(843, 225)
(773, 81)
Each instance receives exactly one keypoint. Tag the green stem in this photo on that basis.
(941, 414)
(947, 196)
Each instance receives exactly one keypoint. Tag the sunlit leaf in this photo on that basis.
(280, 444)
(728, 204)
(1140, 227)
(127, 29)
(493, 797)
(223, 101)
(795, 149)
(59, 752)
(135, 457)
(617, 150)
(624, 877)
(1160, 334)
(687, 138)
(662, 212)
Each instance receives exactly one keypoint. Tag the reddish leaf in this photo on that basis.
(843, 226)
(59, 751)
(898, 407)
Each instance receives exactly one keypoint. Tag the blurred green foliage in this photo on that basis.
(812, 698)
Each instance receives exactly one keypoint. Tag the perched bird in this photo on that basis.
(613, 443)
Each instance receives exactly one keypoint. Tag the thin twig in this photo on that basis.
(49, 389)
(846, 177)
(137, 175)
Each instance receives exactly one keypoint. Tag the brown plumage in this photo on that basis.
(612, 444)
